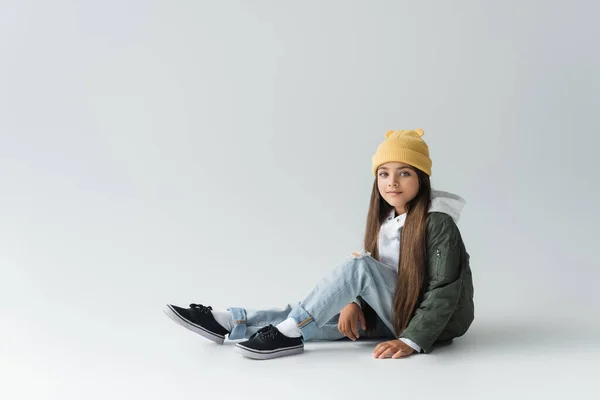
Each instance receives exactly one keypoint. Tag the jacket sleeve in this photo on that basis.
(443, 287)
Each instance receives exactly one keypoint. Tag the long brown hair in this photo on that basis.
(413, 251)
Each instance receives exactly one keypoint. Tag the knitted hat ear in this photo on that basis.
(395, 134)
(389, 133)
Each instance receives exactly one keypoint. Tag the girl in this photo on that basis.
(412, 283)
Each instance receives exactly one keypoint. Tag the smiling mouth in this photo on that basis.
(394, 192)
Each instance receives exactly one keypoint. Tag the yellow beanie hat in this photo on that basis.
(404, 146)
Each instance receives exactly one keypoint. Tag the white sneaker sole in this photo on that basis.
(268, 354)
(179, 320)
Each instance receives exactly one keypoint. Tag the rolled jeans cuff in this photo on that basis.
(239, 323)
(305, 322)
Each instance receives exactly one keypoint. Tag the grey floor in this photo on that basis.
(157, 359)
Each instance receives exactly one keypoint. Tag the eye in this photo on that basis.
(382, 174)
(404, 173)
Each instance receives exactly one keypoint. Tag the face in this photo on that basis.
(398, 184)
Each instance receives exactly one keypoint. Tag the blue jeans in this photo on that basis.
(317, 315)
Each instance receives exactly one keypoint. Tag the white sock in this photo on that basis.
(224, 318)
(289, 328)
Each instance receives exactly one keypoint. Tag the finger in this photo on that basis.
(354, 327)
(363, 322)
(382, 344)
(376, 351)
(348, 332)
(380, 349)
(341, 328)
(399, 354)
(387, 353)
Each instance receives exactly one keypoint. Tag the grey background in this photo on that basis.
(219, 152)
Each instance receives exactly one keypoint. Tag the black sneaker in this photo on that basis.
(198, 319)
(268, 343)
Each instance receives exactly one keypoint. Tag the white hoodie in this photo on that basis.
(389, 233)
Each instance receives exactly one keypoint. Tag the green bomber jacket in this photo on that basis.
(445, 309)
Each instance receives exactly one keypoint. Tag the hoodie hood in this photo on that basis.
(390, 230)
(447, 203)
(444, 202)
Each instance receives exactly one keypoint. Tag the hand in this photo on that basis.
(350, 317)
(393, 349)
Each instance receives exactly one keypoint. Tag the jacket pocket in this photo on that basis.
(446, 261)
